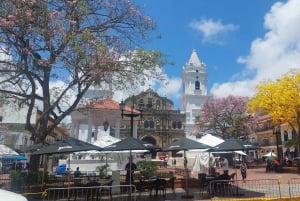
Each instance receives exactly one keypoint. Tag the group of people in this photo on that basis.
(273, 164)
(223, 163)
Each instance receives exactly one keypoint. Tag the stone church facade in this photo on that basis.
(159, 124)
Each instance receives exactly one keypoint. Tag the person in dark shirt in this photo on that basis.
(130, 168)
(77, 173)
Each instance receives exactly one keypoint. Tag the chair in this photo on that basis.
(160, 185)
(232, 176)
(171, 184)
(106, 190)
(143, 186)
(203, 184)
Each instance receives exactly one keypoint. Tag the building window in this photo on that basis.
(146, 124)
(176, 124)
(179, 124)
(152, 124)
(294, 134)
(1, 118)
(286, 136)
(141, 102)
(157, 104)
(197, 85)
(149, 104)
(265, 142)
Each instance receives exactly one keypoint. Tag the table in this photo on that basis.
(154, 183)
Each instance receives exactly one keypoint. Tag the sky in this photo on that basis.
(242, 43)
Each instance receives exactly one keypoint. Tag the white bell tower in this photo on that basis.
(194, 81)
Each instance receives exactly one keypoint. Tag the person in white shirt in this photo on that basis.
(224, 165)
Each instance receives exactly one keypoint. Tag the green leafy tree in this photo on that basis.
(225, 117)
(75, 44)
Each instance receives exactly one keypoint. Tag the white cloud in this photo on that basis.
(272, 55)
(212, 30)
(172, 89)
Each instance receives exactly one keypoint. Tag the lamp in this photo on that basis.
(132, 115)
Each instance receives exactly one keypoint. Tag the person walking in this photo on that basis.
(244, 170)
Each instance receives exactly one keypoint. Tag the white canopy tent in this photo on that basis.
(6, 151)
(202, 156)
(201, 162)
(270, 155)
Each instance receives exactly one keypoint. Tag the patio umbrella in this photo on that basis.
(185, 144)
(270, 155)
(66, 145)
(232, 145)
(130, 144)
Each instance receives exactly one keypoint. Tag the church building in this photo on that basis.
(194, 84)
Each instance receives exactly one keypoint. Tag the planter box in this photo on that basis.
(192, 183)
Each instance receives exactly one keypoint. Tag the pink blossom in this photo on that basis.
(29, 13)
(54, 14)
(73, 22)
(12, 17)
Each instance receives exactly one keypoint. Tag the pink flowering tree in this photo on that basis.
(77, 43)
(225, 117)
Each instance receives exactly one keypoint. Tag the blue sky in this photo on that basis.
(241, 42)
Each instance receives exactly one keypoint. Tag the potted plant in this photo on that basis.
(146, 168)
(103, 169)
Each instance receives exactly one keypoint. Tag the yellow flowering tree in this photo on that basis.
(281, 100)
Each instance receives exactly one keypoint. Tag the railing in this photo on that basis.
(115, 193)
(250, 189)
(182, 172)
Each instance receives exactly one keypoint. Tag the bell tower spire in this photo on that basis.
(194, 81)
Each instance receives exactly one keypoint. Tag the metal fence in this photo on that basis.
(112, 193)
(249, 189)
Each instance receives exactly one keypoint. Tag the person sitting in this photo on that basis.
(77, 173)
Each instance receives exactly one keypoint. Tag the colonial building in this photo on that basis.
(194, 82)
(159, 124)
(12, 125)
(270, 138)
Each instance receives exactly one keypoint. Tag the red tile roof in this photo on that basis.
(106, 104)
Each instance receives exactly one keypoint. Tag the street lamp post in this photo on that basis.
(277, 132)
(132, 115)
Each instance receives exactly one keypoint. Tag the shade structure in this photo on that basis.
(270, 155)
(131, 143)
(185, 144)
(13, 158)
(232, 145)
(66, 145)
(6, 151)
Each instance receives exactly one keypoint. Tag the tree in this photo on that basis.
(77, 43)
(280, 99)
(226, 117)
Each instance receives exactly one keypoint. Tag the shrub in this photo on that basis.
(147, 168)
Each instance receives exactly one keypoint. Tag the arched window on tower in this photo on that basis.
(197, 85)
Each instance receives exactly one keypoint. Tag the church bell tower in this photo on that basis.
(194, 81)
